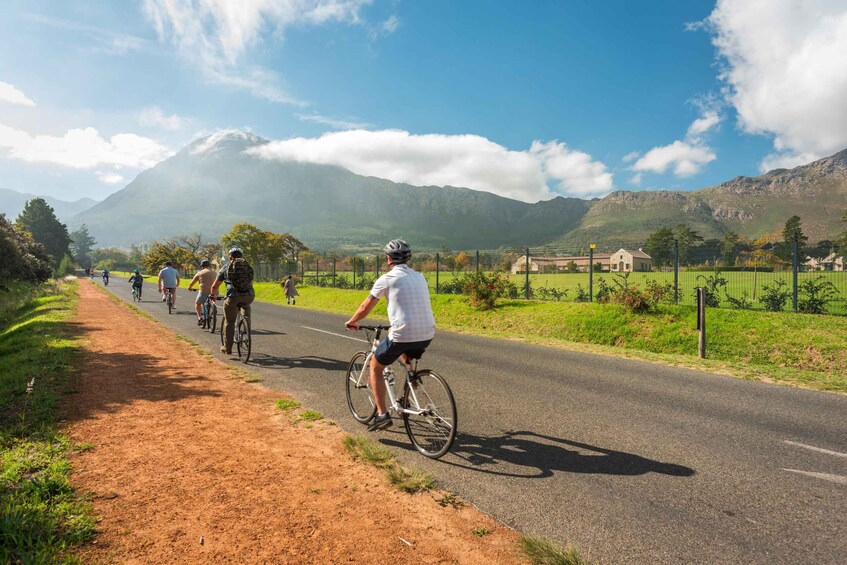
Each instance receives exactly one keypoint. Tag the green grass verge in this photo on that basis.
(407, 480)
(542, 552)
(41, 516)
(804, 350)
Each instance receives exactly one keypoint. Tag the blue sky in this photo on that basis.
(525, 99)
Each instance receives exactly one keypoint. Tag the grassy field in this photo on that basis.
(804, 350)
(40, 514)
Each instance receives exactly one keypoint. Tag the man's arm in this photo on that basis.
(364, 309)
(215, 286)
(191, 284)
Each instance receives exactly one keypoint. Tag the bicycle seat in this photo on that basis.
(417, 354)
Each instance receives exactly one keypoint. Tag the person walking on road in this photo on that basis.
(238, 275)
(410, 316)
(291, 293)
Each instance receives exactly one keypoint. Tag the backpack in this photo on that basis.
(240, 274)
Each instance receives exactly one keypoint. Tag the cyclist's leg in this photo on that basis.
(198, 304)
(386, 353)
(230, 313)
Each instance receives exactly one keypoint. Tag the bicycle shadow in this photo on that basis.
(530, 455)
(306, 362)
(254, 331)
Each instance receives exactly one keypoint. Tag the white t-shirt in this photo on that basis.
(409, 309)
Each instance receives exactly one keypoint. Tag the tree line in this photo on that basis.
(768, 250)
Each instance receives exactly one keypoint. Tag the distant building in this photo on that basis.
(623, 260)
(628, 261)
(829, 263)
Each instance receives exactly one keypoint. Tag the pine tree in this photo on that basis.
(39, 219)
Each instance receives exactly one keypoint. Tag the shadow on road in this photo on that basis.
(254, 331)
(531, 455)
(307, 362)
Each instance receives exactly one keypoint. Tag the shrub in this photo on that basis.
(582, 294)
(659, 292)
(66, 267)
(775, 296)
(604, 293)
(545, 293)
(815, 295)
(453, 286)
(484, 289)
(713, 285)
(740, 303)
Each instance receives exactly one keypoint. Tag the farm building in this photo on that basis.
(828, 263)
(624, 261)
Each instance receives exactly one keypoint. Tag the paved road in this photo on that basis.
(632, 462)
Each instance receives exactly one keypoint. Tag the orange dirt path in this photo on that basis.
(191, 465)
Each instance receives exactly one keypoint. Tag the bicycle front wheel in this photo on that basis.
(243, 340)
(360, 399)
(429, 413)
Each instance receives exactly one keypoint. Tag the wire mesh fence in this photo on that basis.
(791, 283)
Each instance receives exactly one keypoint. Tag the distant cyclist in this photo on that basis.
(206, 278)
(410, 316)
(137, 281)
(168, 282)
(106, 277)
(238, 275)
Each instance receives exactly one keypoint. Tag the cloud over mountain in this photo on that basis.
(546, 169)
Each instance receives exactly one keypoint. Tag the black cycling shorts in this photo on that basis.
(389, 351)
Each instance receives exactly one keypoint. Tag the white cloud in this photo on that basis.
(10, 94)
(631, 156)
(785, 71)
(152, 116)
(104, 41)
(457, 160)
(635, 179)
(684, 157)
(109, 178)
(332, 122)
(82, 149)
(215, 34)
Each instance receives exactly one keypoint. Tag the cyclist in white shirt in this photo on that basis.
(410, 316)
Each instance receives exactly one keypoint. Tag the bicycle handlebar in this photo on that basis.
(373, 328)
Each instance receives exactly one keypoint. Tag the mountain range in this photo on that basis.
(13, 202)
(213, 183)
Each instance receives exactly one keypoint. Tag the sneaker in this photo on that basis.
(199, 321)
(381, 422)
(163, 298)
(223, 350)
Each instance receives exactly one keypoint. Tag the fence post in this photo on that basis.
(526, 288)
(317, 271)
(303, 271)
(437, 270)
(354, 271)
(591, 247)
(376, 265)
(796, 265)
(701, 322)
(333, 272)
(477, 260)
(676, 271)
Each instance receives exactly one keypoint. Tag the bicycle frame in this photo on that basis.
(394, 401)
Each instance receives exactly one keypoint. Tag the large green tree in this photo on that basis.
(729, 247)
(39, 219)
(687, 240)
(785, 249)
(841, 242)
(23, 258)
(659, 246)
(81, 245)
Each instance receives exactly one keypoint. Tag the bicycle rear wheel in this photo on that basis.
(433, 430)
(243, 341)
(213, 317)
(170, 303)
(360, 400)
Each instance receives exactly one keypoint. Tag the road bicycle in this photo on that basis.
(426, 402)
(210, 313)
(169, 296)
(241, 339)
(136, 293)
(105, 281)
